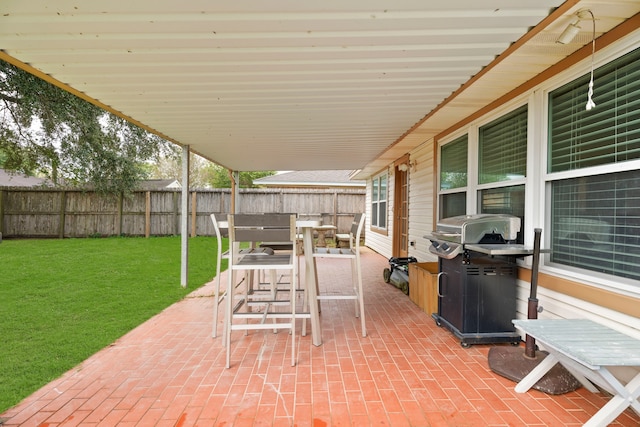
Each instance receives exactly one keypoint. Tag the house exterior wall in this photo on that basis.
(560, 294)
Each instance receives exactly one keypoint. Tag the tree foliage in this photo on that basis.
(202, 173)
(221, 178)
(47, 131)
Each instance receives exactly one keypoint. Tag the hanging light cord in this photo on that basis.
(590, 103)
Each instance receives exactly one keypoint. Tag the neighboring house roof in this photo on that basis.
(329, 178)
(15, 179)
(158, 184)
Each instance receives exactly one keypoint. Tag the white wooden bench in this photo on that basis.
(589, 351)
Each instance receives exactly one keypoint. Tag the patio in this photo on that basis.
(406, 372)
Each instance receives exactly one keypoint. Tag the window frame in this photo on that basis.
(378, 211)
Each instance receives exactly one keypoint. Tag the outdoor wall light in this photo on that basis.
(573, 28)
(568, 35)
(570, 32)
(403, 167)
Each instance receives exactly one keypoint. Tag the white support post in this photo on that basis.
(235, 187)
(184, 218)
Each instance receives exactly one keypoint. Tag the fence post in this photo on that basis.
(63, 209)
(335, 209)
(119, 214)
(147, 214)
(176, 217)
(193, 213)
(2, 197)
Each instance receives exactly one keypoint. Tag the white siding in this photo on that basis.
(421, 201)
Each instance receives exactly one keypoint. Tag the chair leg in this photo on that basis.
(228, 315)
(356, 288)
(360, 296)
(216, 301)
(274, 292)
(292, 296)
(305, 308)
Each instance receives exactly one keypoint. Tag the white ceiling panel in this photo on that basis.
(284, 85)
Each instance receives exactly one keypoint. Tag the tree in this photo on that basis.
(170, 167)
(202, 173)
(221, 178)
(47, 131)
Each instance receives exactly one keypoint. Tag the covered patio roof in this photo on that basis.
(295, 85)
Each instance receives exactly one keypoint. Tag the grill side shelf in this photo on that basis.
(508, 249)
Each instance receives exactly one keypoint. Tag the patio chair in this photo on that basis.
(352, 253)
(220, 228)
(256, 306)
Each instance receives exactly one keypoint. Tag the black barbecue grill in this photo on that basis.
(477, 284)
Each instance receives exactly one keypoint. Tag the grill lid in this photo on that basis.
(472, 228)
(453, 233)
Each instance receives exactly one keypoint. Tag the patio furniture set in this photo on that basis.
(263, 282)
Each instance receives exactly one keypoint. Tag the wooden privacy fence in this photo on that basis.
(39, 212)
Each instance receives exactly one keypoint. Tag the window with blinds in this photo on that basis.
(453, 174)
(595, 218)
(453, 164)
(609, 133)
(596, 223)
(503, 148)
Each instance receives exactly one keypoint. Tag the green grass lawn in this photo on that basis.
(63, 300)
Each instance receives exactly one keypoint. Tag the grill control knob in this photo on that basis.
(444, 247)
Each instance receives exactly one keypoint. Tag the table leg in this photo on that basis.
(624, 396)
(536, 373)
(310, 285)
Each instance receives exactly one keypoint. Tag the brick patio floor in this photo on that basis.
(406, 372)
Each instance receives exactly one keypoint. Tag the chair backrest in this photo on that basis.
(257, 228)
(356, 229)
(220, 226)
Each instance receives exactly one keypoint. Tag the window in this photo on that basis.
(379, 202)
(503, 148)
(453, 177)
(595, 212)
(453, 172)
(502, 164)
(502, 158)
